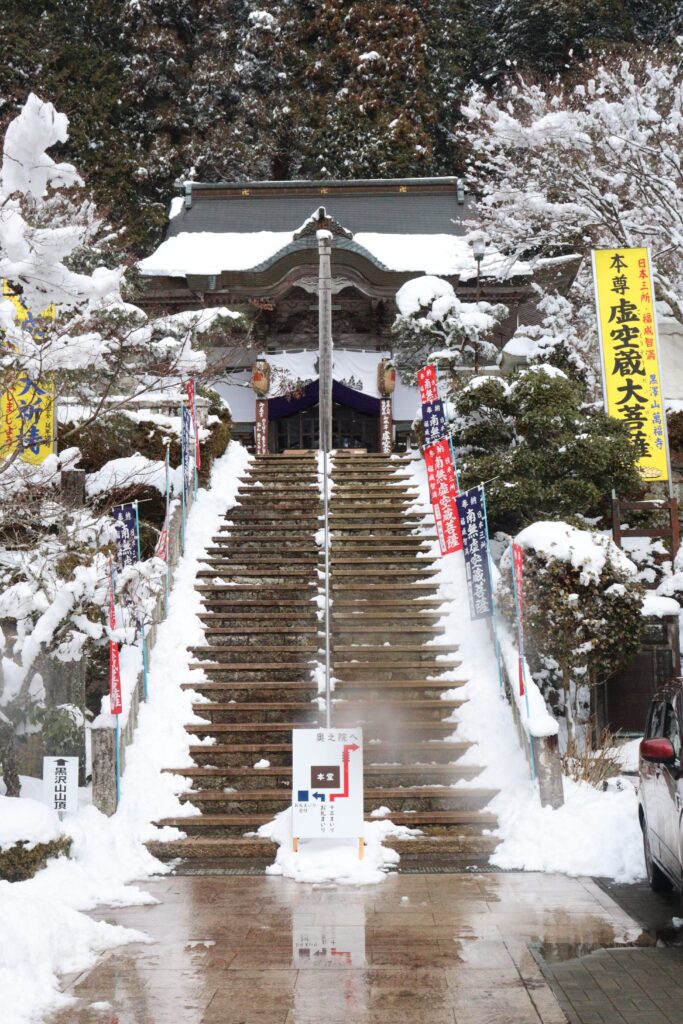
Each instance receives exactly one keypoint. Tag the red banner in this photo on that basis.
(160, 549)
(191, 398)
(427, 383)
(443, 490)
(115, 696)
(518, 569)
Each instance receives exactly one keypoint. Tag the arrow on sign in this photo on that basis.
(348, 747)
(319, 796)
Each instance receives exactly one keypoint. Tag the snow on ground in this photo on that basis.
(319, 860)
(43, 931)
(594, 833)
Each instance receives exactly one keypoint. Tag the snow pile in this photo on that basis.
(594, 832)
(320, 860)
(27, 821)
(585, 551)
(129, 471)
(40, 939)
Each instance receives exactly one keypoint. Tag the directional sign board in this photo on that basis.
(60, 784)
(327, 783)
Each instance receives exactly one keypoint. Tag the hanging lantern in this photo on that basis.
(386, 378)
(260, 377)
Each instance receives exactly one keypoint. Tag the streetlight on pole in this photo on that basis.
(325, 425)
(478, 241)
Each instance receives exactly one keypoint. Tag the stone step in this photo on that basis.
(374, 588)
(294, 529)
(279, 752)
(264, 543)
(220, 825)
(432, 799)
(283, 692)
(304, 651)
(371, 602)
(266, 732)
(242, 691)
(302, 572)
(345, 710)
(367, 651)
(257, 669)
(344, 669)
(462, 850)
(280, 777)
(255, 560)
(280, 622)
(265, 635)
(259, 606)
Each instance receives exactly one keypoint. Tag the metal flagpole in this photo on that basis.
(520, 641)
(196, 440)
(117, 736)
(166, 524)
(182, 466)
(494, 615)
(141, 624)
(325, 428)
(444, 401)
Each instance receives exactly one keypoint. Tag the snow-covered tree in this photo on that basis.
(582, 614)
(433, 324)
(567, 166)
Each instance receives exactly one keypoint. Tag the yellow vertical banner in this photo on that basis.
(27, 408)
(630, 358)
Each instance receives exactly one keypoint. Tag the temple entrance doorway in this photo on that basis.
(351, 428)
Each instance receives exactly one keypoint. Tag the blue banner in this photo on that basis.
(434, 420)
(125, 525)
(472, 515)
(188, 470)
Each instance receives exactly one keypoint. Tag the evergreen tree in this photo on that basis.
(369, 90)
(545, 454)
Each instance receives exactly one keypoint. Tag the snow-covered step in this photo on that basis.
(280, 777)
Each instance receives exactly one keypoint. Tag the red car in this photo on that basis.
(660, 795)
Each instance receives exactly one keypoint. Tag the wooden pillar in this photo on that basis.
(261, 426)
(386, 422)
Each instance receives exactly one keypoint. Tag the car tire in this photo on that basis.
(659, 882)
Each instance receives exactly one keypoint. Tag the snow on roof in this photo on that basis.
(207, 252)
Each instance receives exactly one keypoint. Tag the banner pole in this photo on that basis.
(141, 624)
(520, 641)
(166, 524)
(117, 759)
(448, 423)
(196, 440)
(494, 612)
(182, 466)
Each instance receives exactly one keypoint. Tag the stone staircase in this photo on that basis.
(262, 634)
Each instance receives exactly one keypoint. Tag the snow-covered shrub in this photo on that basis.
(543, 453)
(432, 323)
(582, 613)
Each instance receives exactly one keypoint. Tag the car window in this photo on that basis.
(672, 730)
(655, 722)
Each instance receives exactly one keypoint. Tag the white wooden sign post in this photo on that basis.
(327, 785)
(60, 784)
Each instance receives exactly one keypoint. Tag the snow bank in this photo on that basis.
(587, 552)
(134, 469)
(594, 832)
(42, 930)
(319, 860)
(27, 820)
(40, 939)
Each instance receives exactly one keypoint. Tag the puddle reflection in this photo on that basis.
(337, 940)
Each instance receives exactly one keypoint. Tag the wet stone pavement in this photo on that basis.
(433, 949)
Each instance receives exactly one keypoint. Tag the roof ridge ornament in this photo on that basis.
(321, 221)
